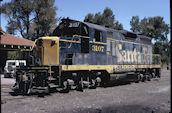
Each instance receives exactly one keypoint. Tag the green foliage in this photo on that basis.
(44, 13)
(118, 26)
(13, 55)
(30, 18)
(89, 18)
(135, 24)
(107, 18)
(11, 27)
(163, 49)
(156, 28)
(18, 13)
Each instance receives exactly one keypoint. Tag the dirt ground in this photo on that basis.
(143, 97)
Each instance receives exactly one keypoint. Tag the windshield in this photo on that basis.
(11, 63)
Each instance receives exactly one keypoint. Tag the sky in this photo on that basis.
(122, 9)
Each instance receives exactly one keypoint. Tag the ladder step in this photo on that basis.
(53, 86)
(86, 83)
(51, 78)
(51, 71)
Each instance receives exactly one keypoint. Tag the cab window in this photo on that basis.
(98, 36)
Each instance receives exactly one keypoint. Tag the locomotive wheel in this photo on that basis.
(22, 84)
(105, 79)
(80, 86)
(65, 89)
(47, 92)
(158, 73)
(148, 78)
(153, 75)
(150, 75)
(24, 88)
(138, 78)
(94, 84)
(143, 78)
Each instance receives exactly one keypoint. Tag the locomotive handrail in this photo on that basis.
(115, 40)
(81, 36)
(48, 61)
(31, 48)
(69, 45)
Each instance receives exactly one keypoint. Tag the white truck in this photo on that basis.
(10, 67)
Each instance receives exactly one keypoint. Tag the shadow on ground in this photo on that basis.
(118, 109)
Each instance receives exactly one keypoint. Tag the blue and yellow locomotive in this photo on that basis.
(81, 54)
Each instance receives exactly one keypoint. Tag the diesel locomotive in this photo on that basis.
(81, 54)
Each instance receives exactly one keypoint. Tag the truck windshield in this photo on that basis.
(11, 63)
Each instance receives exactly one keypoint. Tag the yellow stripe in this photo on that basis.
(108, 68)
(49, 38)
(69, 41)
(86, 67)
(98, 43)
(125, 41)
(39, 67)
(80, 42)
(102, 42)
(31, 67)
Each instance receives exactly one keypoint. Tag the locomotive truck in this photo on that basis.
(81, 54)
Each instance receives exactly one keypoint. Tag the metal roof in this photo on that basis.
(103, 28)
(95, 26)
(144, 37)
(7, 39)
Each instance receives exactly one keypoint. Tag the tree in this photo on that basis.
(11, 27)
(107, 18)
(98, 19)
(156, 28)
(135, 24)
(44, 13)
(163, 49)
(89, 18)
(18, 13)
(118, 26)
(169, 48)
(30, 18)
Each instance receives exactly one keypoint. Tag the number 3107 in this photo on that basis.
(98, 48)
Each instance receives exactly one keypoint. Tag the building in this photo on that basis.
(11, 43)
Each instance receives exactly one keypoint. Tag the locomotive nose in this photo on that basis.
(48, 50)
